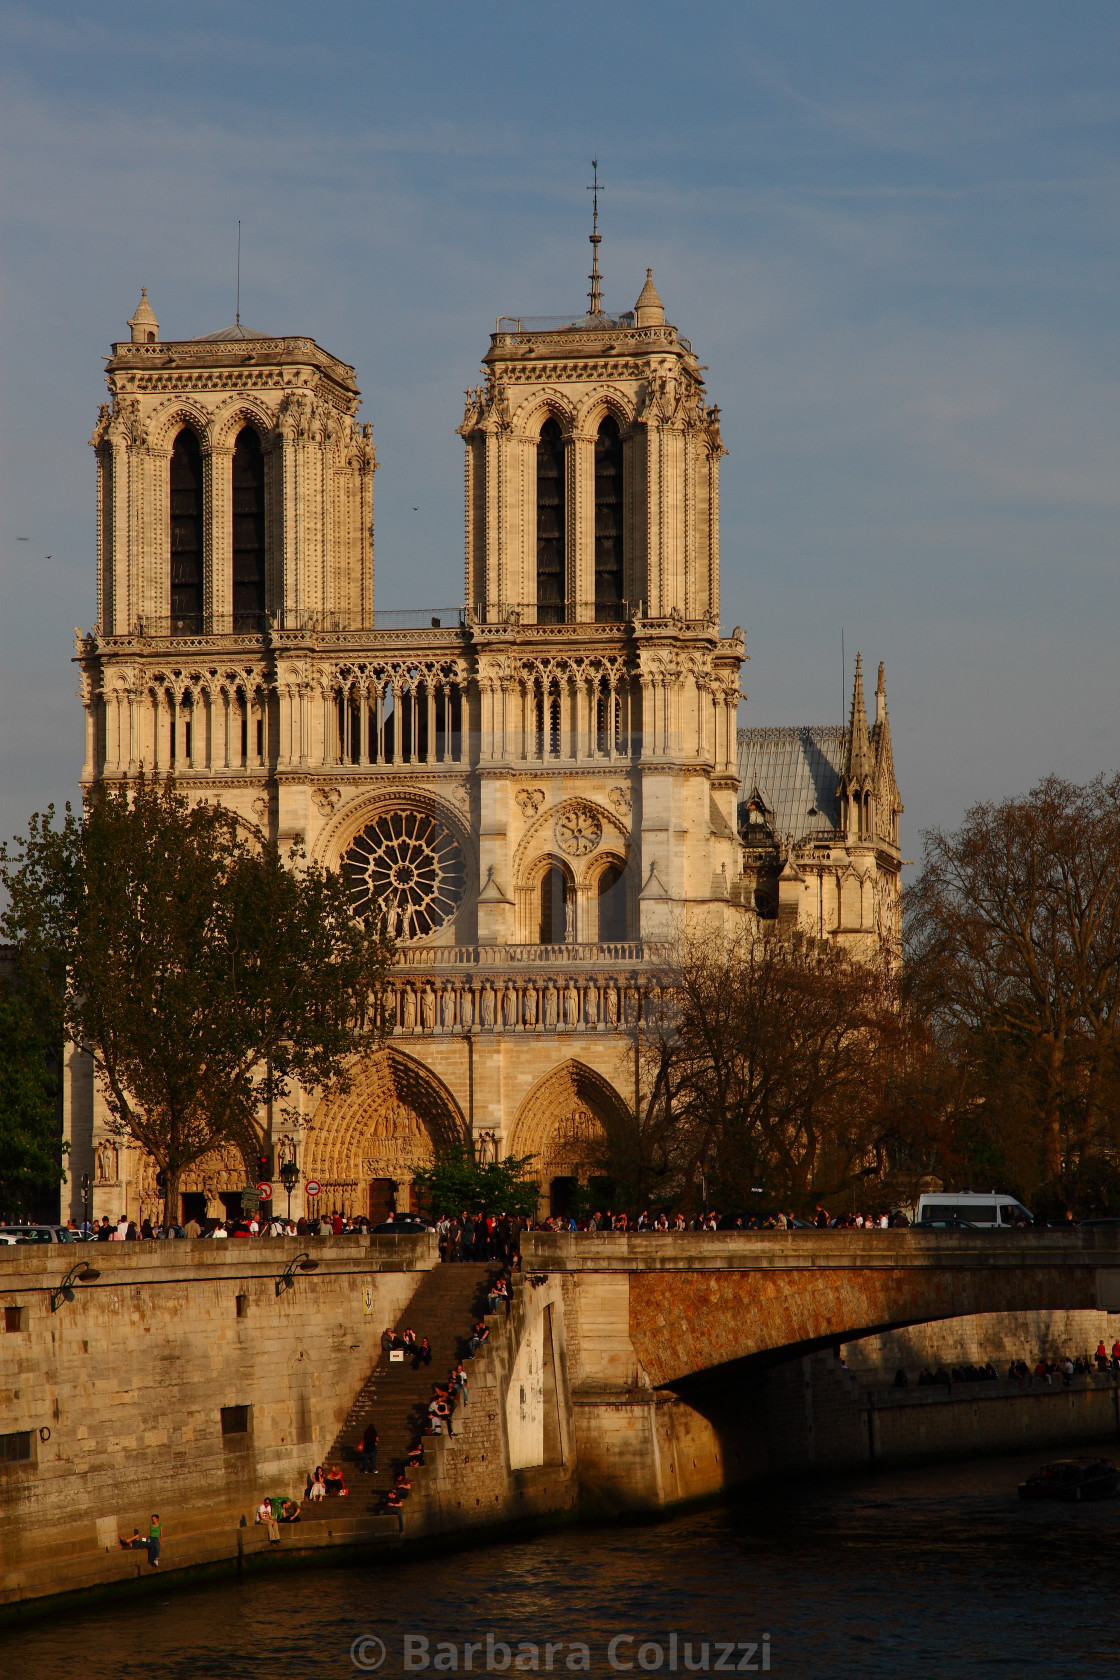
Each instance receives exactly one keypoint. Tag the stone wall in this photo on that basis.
(122, 1389)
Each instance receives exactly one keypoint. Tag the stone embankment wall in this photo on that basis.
(179, 1380)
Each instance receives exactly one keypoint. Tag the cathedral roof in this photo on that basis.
(228, 334)
(794, 772)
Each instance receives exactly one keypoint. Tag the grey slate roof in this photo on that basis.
(796, 771)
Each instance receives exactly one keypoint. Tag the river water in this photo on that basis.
(932, 1572)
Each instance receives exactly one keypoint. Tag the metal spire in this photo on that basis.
(595, 295)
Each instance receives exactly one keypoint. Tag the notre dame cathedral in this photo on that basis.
(539, 790)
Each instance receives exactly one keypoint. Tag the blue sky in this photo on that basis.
(891, 231)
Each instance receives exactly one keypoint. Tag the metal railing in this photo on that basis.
(558, 323)
(157, 627)
(544, 613)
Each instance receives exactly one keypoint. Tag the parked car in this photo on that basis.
(402, 1225)
(1072, 1478)
(39, 1233)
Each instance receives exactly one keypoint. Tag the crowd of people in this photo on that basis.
(1024, 1372)
(484, 1236)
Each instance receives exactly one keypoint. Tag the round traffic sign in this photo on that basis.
(312, 1187)
(264, 1191)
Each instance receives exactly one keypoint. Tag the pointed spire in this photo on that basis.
(145, 327)
(595, 295)
(858, 762)
(649, 311)
(888, 798)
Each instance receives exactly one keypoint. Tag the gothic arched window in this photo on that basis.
(608, 523)
(186, 531)
(551, 526)
(613, 921)
(248, 531)
(555, 906)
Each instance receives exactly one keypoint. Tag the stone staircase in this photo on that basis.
(444, 1308)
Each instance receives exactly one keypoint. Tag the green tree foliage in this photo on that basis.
(769, 1064)
(31, 1150)
(459, 1184)
(1013, 944)
(203, 973)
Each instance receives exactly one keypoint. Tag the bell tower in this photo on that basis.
(592, 588)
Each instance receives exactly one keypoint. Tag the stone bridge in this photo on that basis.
(677, 1352)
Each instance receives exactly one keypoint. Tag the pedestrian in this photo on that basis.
(369, 1448)
(155, 1538)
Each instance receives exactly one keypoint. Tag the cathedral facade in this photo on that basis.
(540, 792)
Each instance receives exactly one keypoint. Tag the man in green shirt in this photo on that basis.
(155, 1535)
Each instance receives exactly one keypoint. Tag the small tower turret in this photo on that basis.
(649, 311)
(145, 327)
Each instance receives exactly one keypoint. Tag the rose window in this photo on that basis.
(410, 868)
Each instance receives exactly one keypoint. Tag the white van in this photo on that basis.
(993, 1211)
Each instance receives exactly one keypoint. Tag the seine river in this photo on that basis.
(932, 1572)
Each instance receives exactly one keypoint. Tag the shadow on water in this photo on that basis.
(933, 1570)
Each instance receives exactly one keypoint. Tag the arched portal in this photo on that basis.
(365, 1144)
(568, 1124)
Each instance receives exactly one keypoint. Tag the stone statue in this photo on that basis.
(591, 1006)
(550, 1001)
(108, 1170)
(466, 1009)
(631, 1006)
(610, 1004)
(286, 1150)
(447, 1008)
(486, 1005)
(408, 1009)
(509, 1006)
(428, 1009)
(486, 1150)
(571, 1004)
(529, 1007)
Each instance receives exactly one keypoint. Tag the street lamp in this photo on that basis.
(85, 1203)
(289, 1178)
(288, 1281)
(78, 1273)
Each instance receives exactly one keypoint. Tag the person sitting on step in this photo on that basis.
(421, 1353)
(479, 1339)
(336, 1487)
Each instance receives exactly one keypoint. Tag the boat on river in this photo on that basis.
(1072, 1478)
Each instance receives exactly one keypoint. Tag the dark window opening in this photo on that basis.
(556, 907)
(15, 1449)
(242, 1312)
(608, 523)
(248, 531)
(187, 739)
(260, 737)
(235, 1420)
(612, 904)
(186, 532)
(13, 1318)
(551, 526)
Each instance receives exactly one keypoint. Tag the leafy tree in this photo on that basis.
(1013, 939)
(202, 972)
(769, 1063)
(31, 1150)
(459, 1184)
